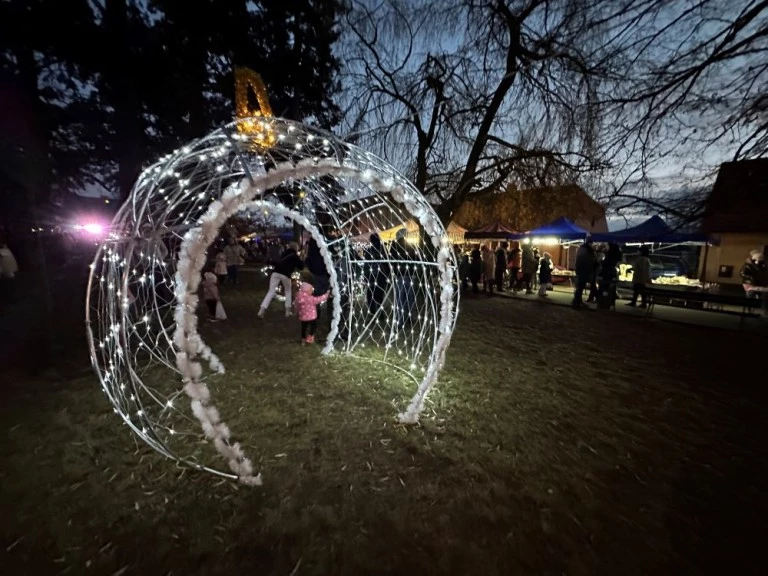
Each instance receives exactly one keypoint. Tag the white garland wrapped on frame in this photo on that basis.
(192, 259)
(128, 326)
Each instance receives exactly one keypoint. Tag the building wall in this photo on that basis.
(524, 210)
(732, 252)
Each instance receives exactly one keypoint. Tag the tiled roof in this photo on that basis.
(739, 199)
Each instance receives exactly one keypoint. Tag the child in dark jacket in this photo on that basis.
(306, 309)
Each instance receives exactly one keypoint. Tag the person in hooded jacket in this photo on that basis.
(288, 264)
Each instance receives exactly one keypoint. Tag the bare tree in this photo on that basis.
(692, 95)
(466, 94)
(637, 99)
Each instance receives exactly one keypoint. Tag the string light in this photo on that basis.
(396, 306)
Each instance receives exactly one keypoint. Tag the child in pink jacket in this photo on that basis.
(306, 310)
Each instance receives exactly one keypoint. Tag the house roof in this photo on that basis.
(739, 199)
(524, 209)
(494, 230)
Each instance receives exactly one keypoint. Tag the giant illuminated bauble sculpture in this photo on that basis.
(143, 289)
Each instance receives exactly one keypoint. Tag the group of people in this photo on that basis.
(525, 268)
(502, 269)
(228, 261)
(303, 296)
(396, 265)
(380, 267)
(598, 270)
(528, 270)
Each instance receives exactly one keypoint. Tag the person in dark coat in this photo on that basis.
(593, 291)
(376, 274)
(501, 265)
(585, 269)
(609, 276)
(475, 269)
(513, 263)
(464, 272)
(612, 259)
(345, 279)
(403, 256)
(529, 268)
(316, 265)
(321, 278)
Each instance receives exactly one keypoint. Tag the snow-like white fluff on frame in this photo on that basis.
(396, 306)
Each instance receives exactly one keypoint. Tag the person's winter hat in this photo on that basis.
(307, 287)
(210, 276)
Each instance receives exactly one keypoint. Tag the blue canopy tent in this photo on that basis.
(563, 229)
(653, 231)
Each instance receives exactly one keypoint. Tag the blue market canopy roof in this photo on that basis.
(562, 229)
(494, 231)
(654, 230)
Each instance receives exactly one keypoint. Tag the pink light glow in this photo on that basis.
(93, 228)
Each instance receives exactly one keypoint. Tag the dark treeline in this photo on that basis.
(91, 90)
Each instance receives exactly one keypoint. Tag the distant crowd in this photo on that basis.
(303, 277)
(524, 268)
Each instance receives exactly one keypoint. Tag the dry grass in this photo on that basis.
(556, 442)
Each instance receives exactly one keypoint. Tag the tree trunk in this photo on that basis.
(37, 173)
(128, 125)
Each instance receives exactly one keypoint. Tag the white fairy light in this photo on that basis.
(157, 264)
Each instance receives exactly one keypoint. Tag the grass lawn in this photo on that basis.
(556, 442)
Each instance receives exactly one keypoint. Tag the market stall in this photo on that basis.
(656, 234)
(454, 231)
(559, 231)
(494, 231)
(556, 237)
